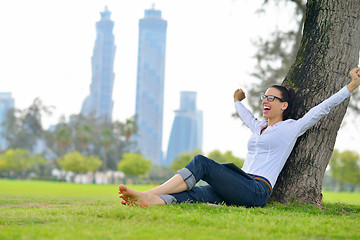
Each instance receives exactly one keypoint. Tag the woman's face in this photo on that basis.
(274, 109)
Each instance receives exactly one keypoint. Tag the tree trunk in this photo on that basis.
(328, 50)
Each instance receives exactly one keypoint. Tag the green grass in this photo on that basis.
(343, 197)
(47, 210)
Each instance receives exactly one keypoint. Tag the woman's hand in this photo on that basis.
(355, 77)
(239, 95)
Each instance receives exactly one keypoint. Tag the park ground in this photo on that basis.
(57, 210)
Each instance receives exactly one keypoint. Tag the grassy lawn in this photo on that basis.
(50, 210)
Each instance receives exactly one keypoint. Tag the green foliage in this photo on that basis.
(159, 174)
(183, 159)
(345, 166)
(106, 138)
(134, 164)
(79, 163)
(276, 54)
(85, 134)
(32, 116)
(128, 128)
(22, 128)
(92, 163)
(217, 156)
(63, 137)
(91, 136)
(20, 160)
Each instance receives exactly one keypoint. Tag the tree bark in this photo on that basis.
(328, 51)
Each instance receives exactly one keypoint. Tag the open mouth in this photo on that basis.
(266, 109)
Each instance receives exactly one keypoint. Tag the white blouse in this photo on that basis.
(268, 152)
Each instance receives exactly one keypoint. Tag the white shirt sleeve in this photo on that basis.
(320, 110)
(246, 116)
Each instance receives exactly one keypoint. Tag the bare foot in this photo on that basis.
(135, 198)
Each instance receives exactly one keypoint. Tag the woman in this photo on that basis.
(268, 149)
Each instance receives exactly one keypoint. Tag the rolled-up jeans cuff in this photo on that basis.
(188, 177)
(168, 199)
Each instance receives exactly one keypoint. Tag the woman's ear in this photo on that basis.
(284, 106)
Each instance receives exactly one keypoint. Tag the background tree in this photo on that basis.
(90, 136)
(33, 116)
(93, 164)
(73, 162)
(85, 133)
(84, 136)
(12, 129)
(183, 159)
(19, 161)
(23, 128)
(158, 175)
(134, 164)
(79, 163)
(106, 140)
(220, 157)
(328, 50)
(275, 55)
(345, 167)
(122, 133)
(63, 138)
(128, 129)
(334, 166)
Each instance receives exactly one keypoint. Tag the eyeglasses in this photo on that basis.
(270, 98)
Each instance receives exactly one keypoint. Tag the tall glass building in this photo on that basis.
(99, 103)
(6, 103)
(186, 133)
(150, 85)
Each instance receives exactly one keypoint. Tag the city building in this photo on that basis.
(150, 85)
(6, 103)
(99, 103)
(186, 133)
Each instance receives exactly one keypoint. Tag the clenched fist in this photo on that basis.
(355, 77)
(239, 95)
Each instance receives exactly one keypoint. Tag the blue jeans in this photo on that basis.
(224, 185)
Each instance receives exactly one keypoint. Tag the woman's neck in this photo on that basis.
(272, 121)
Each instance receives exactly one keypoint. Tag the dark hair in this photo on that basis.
(288, 95)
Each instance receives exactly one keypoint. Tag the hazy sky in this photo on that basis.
(46, 48)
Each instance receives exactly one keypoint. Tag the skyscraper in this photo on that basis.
(99, 102)
(186, 132)
(150, 84)
(6, 103)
